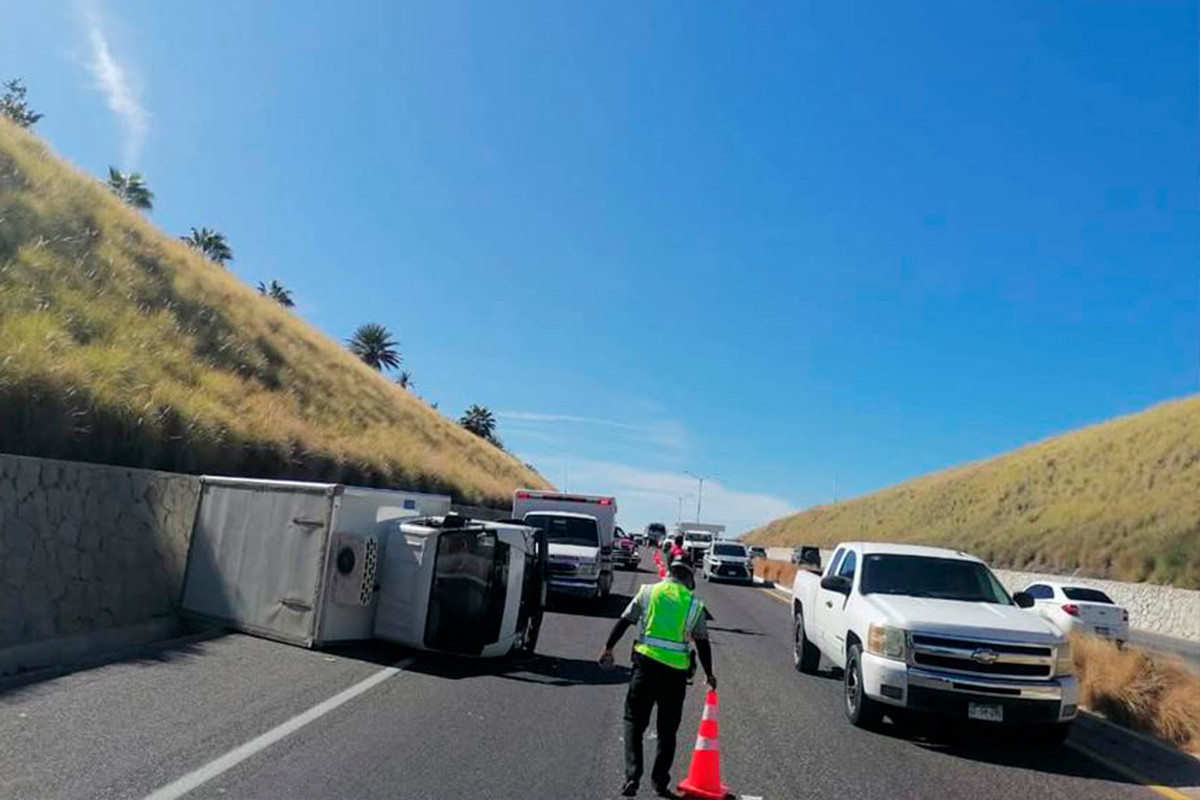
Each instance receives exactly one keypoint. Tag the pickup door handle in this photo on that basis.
(829, 604)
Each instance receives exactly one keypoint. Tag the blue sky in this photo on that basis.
(781, 243)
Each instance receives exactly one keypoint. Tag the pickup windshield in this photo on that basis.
(729, 550)
(703, 538)
(566, 530)
(941, 578)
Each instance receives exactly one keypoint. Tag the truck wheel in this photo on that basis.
(862, 711)
(805, 655)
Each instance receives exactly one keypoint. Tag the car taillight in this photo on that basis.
(523, 495)
(606, 501)
(1071, 609)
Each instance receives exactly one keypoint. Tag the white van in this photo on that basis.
(579, 530)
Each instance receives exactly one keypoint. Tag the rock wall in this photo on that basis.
(1158, 609)
(86, 549)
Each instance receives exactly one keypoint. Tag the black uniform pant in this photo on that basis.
(653, 683)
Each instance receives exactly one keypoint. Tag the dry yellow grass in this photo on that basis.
(120, 344)
(781, 573)
(1116, 500)
(1148, 692)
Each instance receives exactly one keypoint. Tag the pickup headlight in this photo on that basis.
(886, 641)
(1064, 664)
(587, 568)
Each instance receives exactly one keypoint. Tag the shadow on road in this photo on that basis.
(1013, 748)
(540, 669)
(188, 645)
(610, 607)
(738, 631)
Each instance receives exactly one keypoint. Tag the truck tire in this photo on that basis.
(862, 711)
(805, 655)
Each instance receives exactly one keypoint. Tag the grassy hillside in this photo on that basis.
(1116, 500)
(120, 344)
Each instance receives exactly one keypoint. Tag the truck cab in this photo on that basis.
(579, 532)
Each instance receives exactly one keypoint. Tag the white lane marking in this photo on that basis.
(224, 763)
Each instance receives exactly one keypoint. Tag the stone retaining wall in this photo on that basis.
(86, 549)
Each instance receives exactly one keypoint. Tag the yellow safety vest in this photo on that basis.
(669, 612)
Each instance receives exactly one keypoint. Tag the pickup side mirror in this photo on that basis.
(836, 583)
(1023, 599)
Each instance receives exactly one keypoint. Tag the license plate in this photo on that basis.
(985, 711)
(1103, 631)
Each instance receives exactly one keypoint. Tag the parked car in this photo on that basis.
(758, 552)
(728, 561)
(922, 630)
(1080, 609)
(625, 553)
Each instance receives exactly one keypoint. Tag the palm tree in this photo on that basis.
(13, 105)
(277, 292)
(211, 243)
(131, 188)
(374, 344)
(404, 380)
(479, 421)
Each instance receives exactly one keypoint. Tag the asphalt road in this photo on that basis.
(545, 727)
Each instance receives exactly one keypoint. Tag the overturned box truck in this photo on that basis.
(317, 564)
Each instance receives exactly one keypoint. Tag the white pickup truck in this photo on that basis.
(932, 631)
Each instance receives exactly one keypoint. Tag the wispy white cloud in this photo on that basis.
(661, 433)
(117, 84)
(645, 495)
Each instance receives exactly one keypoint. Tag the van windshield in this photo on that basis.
(941, 578)
(698, 537)
(566, 530)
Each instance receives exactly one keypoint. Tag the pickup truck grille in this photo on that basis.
(561, 568)
(981, 657)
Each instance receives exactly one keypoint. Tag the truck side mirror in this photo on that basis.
(836, 583)
(1023, 599)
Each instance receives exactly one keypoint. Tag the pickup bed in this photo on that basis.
(932, 631)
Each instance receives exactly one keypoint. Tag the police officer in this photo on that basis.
(668, 614)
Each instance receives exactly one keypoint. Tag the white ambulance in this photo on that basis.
(579, 531)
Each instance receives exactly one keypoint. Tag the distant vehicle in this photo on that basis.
(728, 561)
(758, 552)
(807, 556)
(932, 631)
(1080, 609)
(580, 530)
(625, 553)
(697, 544)
(655, 533)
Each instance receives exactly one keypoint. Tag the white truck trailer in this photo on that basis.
(316, 564)
(580, 531)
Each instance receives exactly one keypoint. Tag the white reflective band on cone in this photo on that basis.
(710, 711)
(704, 743)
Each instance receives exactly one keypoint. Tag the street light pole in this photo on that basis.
(700, 493)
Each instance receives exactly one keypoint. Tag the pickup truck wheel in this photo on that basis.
(805, 655)
(862, 711)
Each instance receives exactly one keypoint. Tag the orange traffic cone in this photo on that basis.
(704, 775)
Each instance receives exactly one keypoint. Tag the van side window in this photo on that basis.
(1040, 591)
